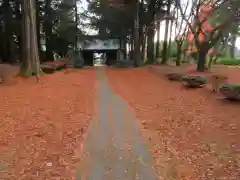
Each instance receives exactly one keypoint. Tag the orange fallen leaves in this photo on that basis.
(193, 134)
(42, 125)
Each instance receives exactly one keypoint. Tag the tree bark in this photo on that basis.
(150, 32)
(232, 47)
(164, 52)
(201, 60)
(8, 32)
(26, 68)
(210, 61)
(19, 33)
(165, 44)
(38, 25)
(179, 52)
(158, 40)
(150, 44)
(30, 64)
(169, 53)
(34, 42)
(132, 43)
(143, 46)
(137, 55)
(48, 31)
(141, 29)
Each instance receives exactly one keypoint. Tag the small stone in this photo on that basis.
(49, 164)
(63, 162)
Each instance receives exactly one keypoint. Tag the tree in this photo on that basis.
(221, 14)
(53, 17)
(233, 39)
(137, 55)
(158, 40)
(165, 42)
(180, 32)
(150, 31)
(155, 12)
(109, 21)
(30, 64)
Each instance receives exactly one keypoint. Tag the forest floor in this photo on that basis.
(42, 125)
(192, 134)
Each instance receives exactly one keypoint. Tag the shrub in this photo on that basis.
(61, 66)
(229, 61)
(194, 81)
(47, 69)
(123, 64)
(230, 91)
(173, 50)
(174, 76)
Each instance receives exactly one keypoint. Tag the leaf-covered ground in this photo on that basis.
(42, 126)
(192, 133)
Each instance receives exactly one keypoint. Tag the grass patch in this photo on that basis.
(229, 61)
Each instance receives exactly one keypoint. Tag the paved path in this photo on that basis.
(113, 148)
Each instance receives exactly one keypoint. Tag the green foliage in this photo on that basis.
(185, 44)
(55, 25)
(229, 61)
(64, 29)
(231, 86)
(111, 18)
(172, 52)
(194, 81)
(123, 64)
(231, 91)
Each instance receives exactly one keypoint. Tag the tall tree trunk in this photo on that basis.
(202, 54)
(76, 25)
(210, 61)
(8, 32)
(1, 46)
(19, 32)
(137, 55)
(179, 52)
(38, 26)
(150, 44)
(158, 40)
(129, 48)
(214, 61)
(141, 29)
(31, 64)
(48, 25)
(169, 53)
(34, 42)
(26, 67)
(143, 50)
(165, 44)
(150, 32)
(132, 43)
(184, 56)
(232, 47)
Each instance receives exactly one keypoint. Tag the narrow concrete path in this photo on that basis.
(113, 148)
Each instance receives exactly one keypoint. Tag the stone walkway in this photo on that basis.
(113, 148)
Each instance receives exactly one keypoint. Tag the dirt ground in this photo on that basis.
(193, 134)
(42, 125)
